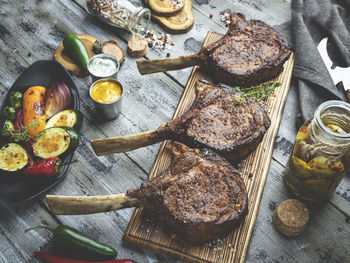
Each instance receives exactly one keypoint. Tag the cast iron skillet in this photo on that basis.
(20, 188)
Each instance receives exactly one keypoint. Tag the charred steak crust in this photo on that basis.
(200, 196)
(220, 119)
(251, 52)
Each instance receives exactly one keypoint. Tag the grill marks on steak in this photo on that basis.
(249, 53)
(221, 119)
(200, 196)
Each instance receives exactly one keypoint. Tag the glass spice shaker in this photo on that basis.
(121, 14)
(321, 153)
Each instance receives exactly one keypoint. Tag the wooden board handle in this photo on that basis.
(78, 205)
(125, 143)
(166, 64)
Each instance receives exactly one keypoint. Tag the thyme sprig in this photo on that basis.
(259, 92)
(23, 135)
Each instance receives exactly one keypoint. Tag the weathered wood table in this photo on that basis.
(28, 32)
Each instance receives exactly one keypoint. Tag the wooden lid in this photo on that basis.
(291, 217)
(137, 47)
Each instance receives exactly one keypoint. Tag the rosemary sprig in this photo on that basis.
(259, 92)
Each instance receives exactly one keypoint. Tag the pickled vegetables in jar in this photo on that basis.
(321, 153)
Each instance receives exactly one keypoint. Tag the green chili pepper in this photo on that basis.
(16, 98)
(6, 128)
(72, 241)
(10, 113)
(76, 49)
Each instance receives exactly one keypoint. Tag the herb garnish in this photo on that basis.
(23, 133)
(259, 92)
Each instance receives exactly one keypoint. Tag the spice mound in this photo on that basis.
(159, 43)
(225, 16)
(120, 13)
(106, 91)
(110, 10)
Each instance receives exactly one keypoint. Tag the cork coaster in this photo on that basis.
(137, 47)
(291, 217)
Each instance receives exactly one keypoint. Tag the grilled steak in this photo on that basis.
(249, 53)
(200, 196)
(221, 119)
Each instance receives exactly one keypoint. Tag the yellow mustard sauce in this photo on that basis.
(106, 91)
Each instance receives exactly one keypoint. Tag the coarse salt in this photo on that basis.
(158, 43)
(225, 16)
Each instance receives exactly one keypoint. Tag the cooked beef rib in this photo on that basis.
(249, 53)
(199, 196)
(221, 118)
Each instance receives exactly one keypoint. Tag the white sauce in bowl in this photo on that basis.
(102, 66)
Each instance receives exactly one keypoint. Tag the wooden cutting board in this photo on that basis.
(144, 232)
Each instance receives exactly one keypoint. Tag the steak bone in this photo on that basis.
(248, 54)
(200, 196)
(168, 64)
(79, 205)
(221, 118)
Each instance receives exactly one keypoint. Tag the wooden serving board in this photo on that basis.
(142, 232)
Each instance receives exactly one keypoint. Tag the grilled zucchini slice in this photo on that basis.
(66, 118)
(13, 158)
(55, 141)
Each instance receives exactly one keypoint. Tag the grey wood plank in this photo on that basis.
(14, 221)
(184, 43)
(157, 94)
(273, 12)
(341, 198)
(130, 180)
(83, 179)
(88, 168)
(96, 175)
(93, 165)
(152, 95)
(288, 128)
(8, 252)
(90, 173)
(16, 246)
(284, 146)
(326, 238)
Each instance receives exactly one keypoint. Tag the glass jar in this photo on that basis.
(121, 14)
(321, 153)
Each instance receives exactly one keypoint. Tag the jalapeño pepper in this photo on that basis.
(54, 259)
(76, 49)
(71, 241)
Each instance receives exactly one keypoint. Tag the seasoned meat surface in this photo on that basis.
(249, 53)
(200, 196)
(222, 119)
